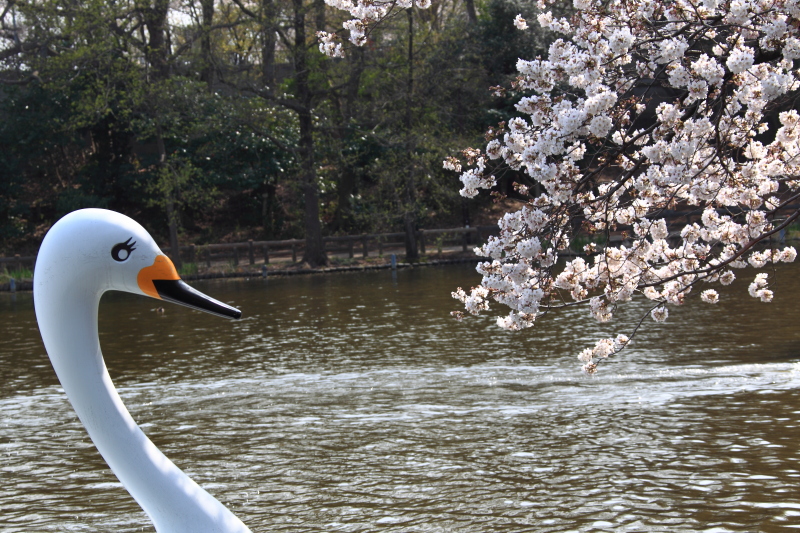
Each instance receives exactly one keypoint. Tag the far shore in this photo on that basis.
(336, 264)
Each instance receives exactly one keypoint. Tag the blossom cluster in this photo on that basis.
(365, 13)
(328, 44)
(644, 132)
(654, 140)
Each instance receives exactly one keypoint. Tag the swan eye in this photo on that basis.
(122, 251)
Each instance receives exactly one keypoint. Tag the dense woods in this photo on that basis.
(213, 121)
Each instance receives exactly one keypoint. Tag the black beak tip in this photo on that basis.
(179, 292)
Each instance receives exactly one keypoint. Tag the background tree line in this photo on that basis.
(209, 120)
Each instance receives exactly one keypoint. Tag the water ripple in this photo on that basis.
(355, 404)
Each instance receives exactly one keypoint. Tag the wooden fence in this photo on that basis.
(430, 241)
(252, 252)
(18, 262)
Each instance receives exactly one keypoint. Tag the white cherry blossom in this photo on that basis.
(647, 140)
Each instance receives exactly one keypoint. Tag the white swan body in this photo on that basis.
(83, 255)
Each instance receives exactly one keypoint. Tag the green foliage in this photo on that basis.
(94, 123)
(188, 269)
(16, 274)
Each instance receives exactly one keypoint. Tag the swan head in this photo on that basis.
(96, 250)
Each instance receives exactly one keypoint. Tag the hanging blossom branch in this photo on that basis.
(641, 109)
(367, 14)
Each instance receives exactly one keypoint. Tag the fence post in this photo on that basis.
(251, 252)
(19, 262)
(380, 247)
(350, 247)
(294, 253)
(266, 254)
(422, 241)
(464, 241)
(364, 240)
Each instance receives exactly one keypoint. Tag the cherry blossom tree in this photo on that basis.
(662, 134)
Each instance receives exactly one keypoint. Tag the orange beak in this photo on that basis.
(160, 280)
(162, 269)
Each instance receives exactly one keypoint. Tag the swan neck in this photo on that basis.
(67, 317)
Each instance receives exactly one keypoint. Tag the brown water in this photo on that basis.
(353, 402)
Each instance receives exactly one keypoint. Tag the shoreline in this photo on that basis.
(25, 285)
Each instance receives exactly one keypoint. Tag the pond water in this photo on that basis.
(354, 403)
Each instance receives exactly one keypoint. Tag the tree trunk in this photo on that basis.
(207, 72)
(155, 18)
(344, 106)
(269, 40)
(319, 15)
(412, 245)
(268, 212)
(169, 201)
(472, 15)
(315, 247)
(409, 207)
(174, 245)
